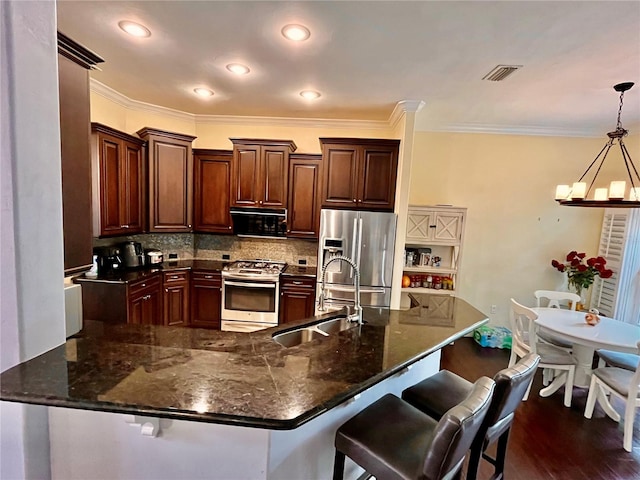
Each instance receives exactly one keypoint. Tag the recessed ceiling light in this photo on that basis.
(310, 94)
(135, 29)
(297, 33)
(203, 92)
(238, 68)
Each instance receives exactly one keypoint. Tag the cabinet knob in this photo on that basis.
(143, 285)
(173, 276)
(229, 227)
(166, 290)
(354, 200)
(188, 226)
(260, 202)
(297, 283)
(359, 201)
(208, 276)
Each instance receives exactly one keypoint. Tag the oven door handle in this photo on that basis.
(252, 285)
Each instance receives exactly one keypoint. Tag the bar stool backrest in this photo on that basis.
(456, 430)
(511, 385)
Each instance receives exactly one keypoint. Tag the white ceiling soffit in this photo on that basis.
(366, 56)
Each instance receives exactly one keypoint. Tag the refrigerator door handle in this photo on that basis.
(355, 243)
(359, 241)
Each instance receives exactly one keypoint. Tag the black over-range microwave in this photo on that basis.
(259, 222)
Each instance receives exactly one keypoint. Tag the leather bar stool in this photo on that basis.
(390, 439)
(438, 393)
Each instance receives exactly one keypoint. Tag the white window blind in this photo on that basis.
(619, 296)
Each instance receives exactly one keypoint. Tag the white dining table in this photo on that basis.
(570, 325)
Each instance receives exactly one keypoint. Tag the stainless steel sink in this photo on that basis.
(313, 332)
(297, 337)
(336, 325)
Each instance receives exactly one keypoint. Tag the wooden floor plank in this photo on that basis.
(548, 440)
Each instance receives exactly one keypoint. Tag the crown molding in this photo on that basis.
(109, 93)
(535, 131)
(402, 108)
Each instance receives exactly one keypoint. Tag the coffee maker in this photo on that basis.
(132, 254)
(109, 259)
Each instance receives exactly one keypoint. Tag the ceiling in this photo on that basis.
(366, 56)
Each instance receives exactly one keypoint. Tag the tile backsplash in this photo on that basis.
(212, 247)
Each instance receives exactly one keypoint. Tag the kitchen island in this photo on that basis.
(231, 405)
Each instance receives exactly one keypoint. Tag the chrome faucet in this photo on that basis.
(356, 316)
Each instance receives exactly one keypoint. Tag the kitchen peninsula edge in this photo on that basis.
(238, 380)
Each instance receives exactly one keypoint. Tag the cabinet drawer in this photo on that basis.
(298, 283)
(206, 277)
(150, 282)
(175, 276)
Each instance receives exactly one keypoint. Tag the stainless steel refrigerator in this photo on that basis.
(368, 238)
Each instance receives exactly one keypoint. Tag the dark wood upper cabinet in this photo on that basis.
(118, 182)
(170, 172)
(73, 89)
(260, 168)
(212, 186)
(303, 215)
(359, 173)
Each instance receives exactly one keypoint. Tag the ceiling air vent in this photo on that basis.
(501, 72)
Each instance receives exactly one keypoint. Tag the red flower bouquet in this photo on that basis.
(581, 272)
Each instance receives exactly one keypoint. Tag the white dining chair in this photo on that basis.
(525, 340)
(553, 299)
(622, 383)
(628, 361)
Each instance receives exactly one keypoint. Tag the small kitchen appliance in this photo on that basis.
(250, 295)
(108, 258)
(153, 256)
(132, 254)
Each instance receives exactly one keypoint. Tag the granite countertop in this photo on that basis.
(234, 378)
(300, 271)
(127, 276)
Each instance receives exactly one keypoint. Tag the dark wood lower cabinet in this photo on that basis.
(144, 306)
(206, 299)
(297, 298)
(176, 299)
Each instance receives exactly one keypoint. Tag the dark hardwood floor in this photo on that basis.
(549, 440)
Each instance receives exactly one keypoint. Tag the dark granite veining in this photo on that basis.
(300, 271)
(231, 378)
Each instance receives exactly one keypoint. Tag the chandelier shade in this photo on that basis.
(583, 194)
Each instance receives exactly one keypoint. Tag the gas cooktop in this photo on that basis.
(253, 268)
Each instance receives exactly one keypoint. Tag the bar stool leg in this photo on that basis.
(501, 455)
(338, 466)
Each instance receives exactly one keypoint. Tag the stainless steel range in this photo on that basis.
(250, 295)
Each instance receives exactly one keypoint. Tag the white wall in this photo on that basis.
(31, 254)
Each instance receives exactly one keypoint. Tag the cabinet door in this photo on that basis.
(206, 300)
(297, 299)
(377, 177)
(246, 176)
(170, 172)
(152, 308)
(340, 185)
(447, 227)
(419, 228)
(176, 304)
(132, 190)
(212, 190)
(304, 206)
(273, 176)
(111, 182)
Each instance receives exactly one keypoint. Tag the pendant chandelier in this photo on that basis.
(616, 195)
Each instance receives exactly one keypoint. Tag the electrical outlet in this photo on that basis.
(302, 261)
(494, 309)
(226, 256)
(173, 255)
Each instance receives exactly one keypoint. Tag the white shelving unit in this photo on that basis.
(440, 229)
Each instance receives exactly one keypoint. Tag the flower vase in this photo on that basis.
(581, 304)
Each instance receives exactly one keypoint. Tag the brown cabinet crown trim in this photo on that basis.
(361, 141)
(76, 52)
(163, 133)
(211, 151)
(99, 127)
(306, 156)
(262, 141)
